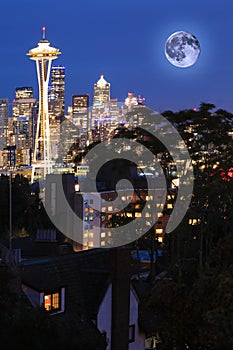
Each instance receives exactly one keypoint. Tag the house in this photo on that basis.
(94, 286)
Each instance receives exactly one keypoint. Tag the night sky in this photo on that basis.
(124, 40)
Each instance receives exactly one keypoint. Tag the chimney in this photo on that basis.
(121, 259)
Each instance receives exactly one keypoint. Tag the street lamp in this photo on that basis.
(10, 210)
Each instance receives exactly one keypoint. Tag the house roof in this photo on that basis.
(85, 286)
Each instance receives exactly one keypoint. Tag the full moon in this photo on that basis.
(182, 49)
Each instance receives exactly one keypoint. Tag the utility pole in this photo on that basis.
(10, 211)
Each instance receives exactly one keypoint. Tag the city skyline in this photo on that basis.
(124, 42)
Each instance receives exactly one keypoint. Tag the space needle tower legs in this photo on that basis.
(43, 54)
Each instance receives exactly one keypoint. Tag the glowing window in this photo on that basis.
(110, 208)
(102, 243)
(138, 215)
(169, 206)
(91, 234)
(52, 301)
(123, 198)
(91, 218)
(159, 214)
(85, 235)
(90, 244)
(103, 209)
(91, 210)
(160, 239)
(103, 235)
(159, 230)
(129, 215)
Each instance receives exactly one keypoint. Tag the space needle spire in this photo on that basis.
(43, 33)
(43, 55)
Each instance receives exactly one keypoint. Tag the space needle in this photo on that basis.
(43, 54)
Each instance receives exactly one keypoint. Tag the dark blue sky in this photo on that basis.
(124, 40)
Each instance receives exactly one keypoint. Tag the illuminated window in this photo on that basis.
(86, 210)
(169, 206)
(52, 301)
(123, 198)
(129, 215)
(160, 239)
(86, 218)
(103, 235)
(159, 230)
(147, 215)
(103, 209)
(110, 208)
(137, 206)
(91, 210)
(91, 218)
(109, 234)
(159, 215)
(129, 198)
(91, 234)
(85, 235)
(149, 198)
(90, 244)
(138, 215)
(194, 221)
(102, 243)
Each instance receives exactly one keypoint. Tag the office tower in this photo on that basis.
(101, 99)
(80, 112)
(3, 122)
(56, 105)
(101, 91)
(23, 114)
(43, 55)
(131, 100)
(58, 90)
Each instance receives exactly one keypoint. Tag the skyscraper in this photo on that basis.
(58, 89)
(3, 122)
(43, 54)
(23, 107)
(101, 91)
(80, 112)
(101, 99)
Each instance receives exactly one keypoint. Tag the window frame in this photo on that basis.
(132, 333)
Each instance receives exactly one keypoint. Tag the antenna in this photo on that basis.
(43, 32)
